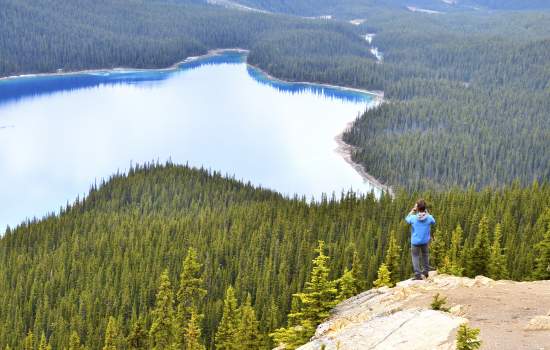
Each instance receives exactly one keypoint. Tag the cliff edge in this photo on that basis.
(511, 315)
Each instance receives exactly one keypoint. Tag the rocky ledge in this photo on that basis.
(510, 315)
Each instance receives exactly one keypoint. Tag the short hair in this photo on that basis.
(421, 205)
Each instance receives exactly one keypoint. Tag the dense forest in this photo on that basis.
(103, 255)
(465, 125)
(467, 92)
(46, 35)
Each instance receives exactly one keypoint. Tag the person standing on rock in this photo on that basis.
(421, 222)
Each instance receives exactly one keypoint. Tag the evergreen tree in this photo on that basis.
(189, 295)
(452, 262)
(162, 328)
(347, 286)
(358, 272)
(74, 341)
(497, 268)
(467, 338)
(319, 296)
(226, 335)
(44, 344)
(138, 337)
(393, 259)
(313, 305)
(112, 335)
(384, 277)
(481, 252)
(192, 335)
(248, 332)
(295, 334)
(437, 249)
(28, 342)
(542, 267)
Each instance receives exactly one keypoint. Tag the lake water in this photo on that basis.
(59, 134)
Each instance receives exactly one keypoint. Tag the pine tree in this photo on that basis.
(347, 286)
(319, 296)
(162, 327)
(311, 306)
(393, 259)
(28, 342)
(437, 249)
(248, 332)
(74, 341)
(542, 262)
(452, 262)
(112, 335)
(358, 272)
(479, 259)
(192, 335)
(138, 337)
(497, 261)
(189, 295)
(44, 344)
(226, 335)
(384, 277)
(467, 338)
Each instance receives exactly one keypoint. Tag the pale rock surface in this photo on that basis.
(400, 318)
(539, 323)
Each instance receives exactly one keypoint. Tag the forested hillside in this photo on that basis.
(467, 91)
(46, 35)
(103, 255)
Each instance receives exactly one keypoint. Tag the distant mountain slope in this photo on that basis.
(46, 35)
(337, 7)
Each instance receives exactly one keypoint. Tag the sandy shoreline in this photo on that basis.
(346, 150)
(343, 149)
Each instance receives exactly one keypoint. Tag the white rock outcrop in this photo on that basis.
(400, 318)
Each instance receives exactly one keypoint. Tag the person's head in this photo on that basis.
(421, 205)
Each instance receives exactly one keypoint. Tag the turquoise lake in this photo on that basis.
(61, 133)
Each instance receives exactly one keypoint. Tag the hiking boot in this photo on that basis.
(417, 278)
(425, 273)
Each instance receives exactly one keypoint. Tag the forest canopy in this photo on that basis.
(102, 256)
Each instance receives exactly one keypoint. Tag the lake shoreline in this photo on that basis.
(344, 150)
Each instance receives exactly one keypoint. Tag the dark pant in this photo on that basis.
(416, 251)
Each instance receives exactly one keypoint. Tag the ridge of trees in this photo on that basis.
(65, 275)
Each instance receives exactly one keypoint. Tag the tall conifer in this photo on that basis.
(452, 262)
(358, 272)
(74, 341)
(28, 342)
(192, 335)
(347, 286)
(112, 335)
(226, 335)
(138, 337)
(248, 332)
(479, 258)
(542, 261)
(162, 327)
(190, 294)
(497, 268)
(393, 259)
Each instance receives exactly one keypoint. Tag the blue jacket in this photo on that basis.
(420, 227)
